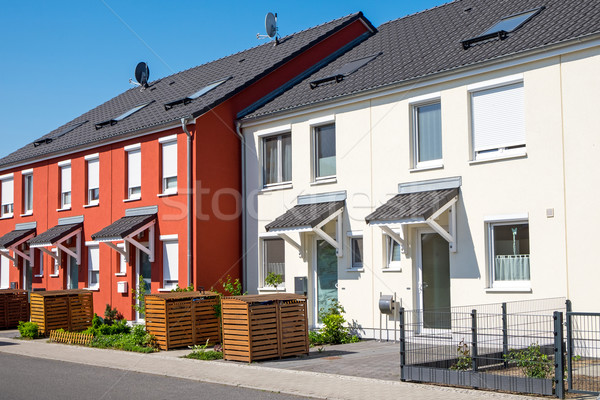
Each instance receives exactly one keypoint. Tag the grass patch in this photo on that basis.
(199, 352)
(137, 340)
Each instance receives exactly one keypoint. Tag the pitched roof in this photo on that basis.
(53, 234)
(429, 42)
(412, 205)
(305, 215)
(123, 227)
(242, 69)
(15, 236)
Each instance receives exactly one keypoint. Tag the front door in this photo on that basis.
(27, 275)
(326, 277)
(72, 273)
(144, 269)
(434, 281)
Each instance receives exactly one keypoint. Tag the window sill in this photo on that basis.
(7, 216)
(91, 205)
(38, 276)
(355, 270)
(509, 289)
(324, 181)
(63, 209)
(92, 289)
(166, 194)
(54, 275)
(27, 214)
(499, 158)
(280, 289)
(121, 274)
(129, 200)
(276, 187)
(427, 168)
(164, 289)
(391, 270)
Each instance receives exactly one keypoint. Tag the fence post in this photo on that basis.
(504, 335)
(559, 371)
(474, 339)
(402, 342)
(569, 305)
(569, 318)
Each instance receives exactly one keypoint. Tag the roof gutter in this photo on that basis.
(184, 122)
(238, 131)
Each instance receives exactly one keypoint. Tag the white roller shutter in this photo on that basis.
(7, 191)
(134, 166)
(169, 159)
(4, 277)
(498, 117)
(170, 264)
(65, 179)
(93, 174)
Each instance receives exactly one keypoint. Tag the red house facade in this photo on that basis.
(148, 184)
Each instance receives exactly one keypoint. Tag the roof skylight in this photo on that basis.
(121, 117)
(58, 134)
(501, 28)
(345, 70)
(194, 96)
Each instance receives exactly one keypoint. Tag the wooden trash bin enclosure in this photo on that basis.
(265, 326)
(179, 319)
(14, 307)
(71, 310)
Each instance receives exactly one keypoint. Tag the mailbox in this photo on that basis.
(301, 285)
(387, 304)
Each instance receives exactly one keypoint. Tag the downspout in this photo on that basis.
(184, 122)
(238, 126)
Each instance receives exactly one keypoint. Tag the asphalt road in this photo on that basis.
(34, 378)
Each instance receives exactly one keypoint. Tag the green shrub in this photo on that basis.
(532, 361)
(111, 315)
(273, 279)
(136, 340)
(28, 330)
(335, 330)
(185, 289)
(464, 362)
(199, 352)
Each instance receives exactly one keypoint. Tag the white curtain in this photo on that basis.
(512, 267)
(286, 145)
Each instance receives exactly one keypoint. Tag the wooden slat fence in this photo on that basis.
(71, 337)
(14, 307)
(264, 326)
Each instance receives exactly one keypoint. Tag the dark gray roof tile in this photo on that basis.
(54, 234)
(123, 227)
(305, 215)
(412, 205)
(13, 237)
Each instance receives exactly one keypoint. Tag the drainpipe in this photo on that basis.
(184, 122)
(238, 126)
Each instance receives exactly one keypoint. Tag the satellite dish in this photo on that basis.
(271, 24)
(142, 73)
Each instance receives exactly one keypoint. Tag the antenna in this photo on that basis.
(270, 28)
(142, 74)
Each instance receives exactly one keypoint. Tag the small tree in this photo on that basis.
(273, 279)
(139, 296)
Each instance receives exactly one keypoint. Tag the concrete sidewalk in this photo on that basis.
(297, 382)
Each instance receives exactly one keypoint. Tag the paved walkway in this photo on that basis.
(307, 376)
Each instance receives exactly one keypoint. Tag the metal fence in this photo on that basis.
(583, 352)
(501, 351)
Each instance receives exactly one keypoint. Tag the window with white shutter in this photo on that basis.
(170, 264)
(93, 192)
(65, 186)
(93, 267)
(134, 174)
(4, 270)
(169, 167)
(7, 196)
(498, 121)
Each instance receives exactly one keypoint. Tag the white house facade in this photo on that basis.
(467, 180)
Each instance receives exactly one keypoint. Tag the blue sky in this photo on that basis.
(60, 59)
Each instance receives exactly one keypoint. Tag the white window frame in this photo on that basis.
(389, 264)
(315, 125)
(169, 284)
(121, 261)
(168, 141)
(7, 209)
(89, 159)
(263, 261)
(27, 192)
(415, 104)
(133, 192)
(63, 193)
(510, 150)
(353, 236)
(4, 272)
(263, 141)
(40, 265)
(93, 268)
(54, 266)
(491, 222)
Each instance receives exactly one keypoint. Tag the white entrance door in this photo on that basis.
(72, 273)
(433, 280)
(4, 273)
(144, 269)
